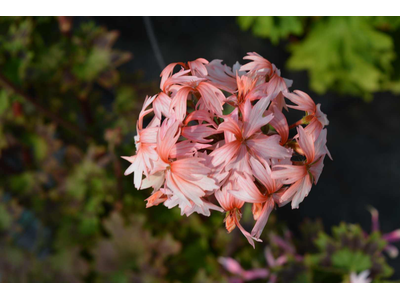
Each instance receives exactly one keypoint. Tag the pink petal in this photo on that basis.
(303, 101)
(280, 124)
(316, 169)
(162, 105)
(168, 135)
(258, 63)
(166, 73)
(263, 174)
(303, 188)
(263, 219)
(186, 148)
(232, 126)
(225, 153)
(288, 173)
(248, 236)
(213, 98)
(198, 67)
(198, 133)
(247, 191)
(255, 120)
(306, 143)
(179, 103)
(221, 76)
(267, 147)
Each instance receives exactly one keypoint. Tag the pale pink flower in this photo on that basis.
(198, 67)
(179, 79)
(222, 76)
(211, 97)
(186, 179)
(167, 72)
(145, 142)
(249, 192)
(161, 105)
(247, 89)
(186, 149)
(315, 118)
(199, 133)
(232, 206)
(258, 63)
(360, 278)
(302, 176)
(203, 126)
(248, 139)
(274, 87)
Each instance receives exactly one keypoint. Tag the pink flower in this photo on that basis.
(301, 176)
(222, 76)
(232, 206)
(258, 63)
(198, 67)
(211, 97)
(246, 89)
(315, 118)
(249, 192)
(145, 142)
(185, 180)
(245, 139)
(161, 105)
(167, 72)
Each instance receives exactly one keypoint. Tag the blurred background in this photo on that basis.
(70, 93)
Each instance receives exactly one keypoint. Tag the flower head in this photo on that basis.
(217, 138)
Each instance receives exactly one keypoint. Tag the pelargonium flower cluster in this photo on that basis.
(218, 138)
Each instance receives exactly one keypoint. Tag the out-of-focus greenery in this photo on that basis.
(348, 55)
(315, 256)
(349, 249)
(67, 214)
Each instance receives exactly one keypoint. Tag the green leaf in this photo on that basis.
(346, 54)
(275, 28)
(351, 261)
(96, 62)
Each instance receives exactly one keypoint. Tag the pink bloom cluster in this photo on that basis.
(218, 135)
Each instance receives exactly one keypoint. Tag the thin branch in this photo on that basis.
(153, 42)
(48, 113)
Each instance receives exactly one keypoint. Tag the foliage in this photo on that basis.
(316, 256)
(274, 28)
(349, 55)
(348, 250)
